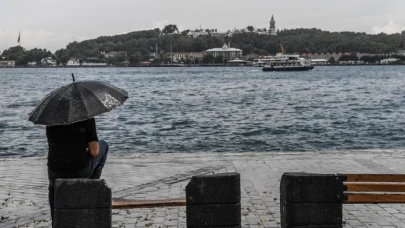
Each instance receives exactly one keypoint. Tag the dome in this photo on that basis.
(225, 46)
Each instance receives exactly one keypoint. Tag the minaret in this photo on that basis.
(272, 26)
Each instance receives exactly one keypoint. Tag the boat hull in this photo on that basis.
(304, 68)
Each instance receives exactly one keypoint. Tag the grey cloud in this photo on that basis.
(53, 23)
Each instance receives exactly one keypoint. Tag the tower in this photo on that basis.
(272, 30)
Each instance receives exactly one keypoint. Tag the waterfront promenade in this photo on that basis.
(24, 203)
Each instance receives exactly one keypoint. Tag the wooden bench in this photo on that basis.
(315, 200)
(374, 188)
(359, 189)
(120, 203)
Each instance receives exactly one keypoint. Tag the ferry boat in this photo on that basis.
(284, 62)
(262, 62)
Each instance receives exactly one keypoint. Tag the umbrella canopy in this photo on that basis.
(77, 102)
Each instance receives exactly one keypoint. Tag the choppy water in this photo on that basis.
(221, 109)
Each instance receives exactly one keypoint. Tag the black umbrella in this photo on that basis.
(76, 102)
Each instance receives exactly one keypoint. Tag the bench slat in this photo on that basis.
(375, 187)
(375, 177)
(127, 204)
(353, 198)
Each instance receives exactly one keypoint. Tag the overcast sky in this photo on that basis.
(52, 24)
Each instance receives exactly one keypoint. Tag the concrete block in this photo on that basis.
(83, 218)
(221, 188)
(312, 214)
(216, 215)
(311, 188)
(82, 193)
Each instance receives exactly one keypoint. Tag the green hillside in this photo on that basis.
(140, 44)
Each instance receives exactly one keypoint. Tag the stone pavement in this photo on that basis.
(24, 203)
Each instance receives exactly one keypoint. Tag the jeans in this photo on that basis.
(92, 171)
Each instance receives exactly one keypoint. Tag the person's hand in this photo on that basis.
(94, 148)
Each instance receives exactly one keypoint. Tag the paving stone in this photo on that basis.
(152, 176)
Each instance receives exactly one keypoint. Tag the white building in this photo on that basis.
(176, 32)
(355, 62)
(180, 56)
(76, 63)
(226, 52)
(219, 34)
(198, 32)
(48, 61)
(7, 63)
(73, 62)
(389, 60)
(319, 62)
(94, 64)
(113, 54)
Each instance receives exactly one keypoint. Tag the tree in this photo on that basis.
(366, 59)
(13, 53)
(156, 61)
(248, 49)
(208, 58)
(250, 28)
(64, 59)
(187, 61)
(135, 58)
(17, 53)
(36, 55)
(185, 32)
(353, 57)
(332, 60)
(170, 29)
(402, 45)
(219, 59)
(344, 58)
(294, 40)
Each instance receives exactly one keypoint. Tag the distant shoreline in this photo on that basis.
(176, 66)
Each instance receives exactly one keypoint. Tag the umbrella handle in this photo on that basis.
(73, 77)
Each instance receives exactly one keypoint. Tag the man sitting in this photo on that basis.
(74, 152)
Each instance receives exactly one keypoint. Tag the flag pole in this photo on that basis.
(19, 38)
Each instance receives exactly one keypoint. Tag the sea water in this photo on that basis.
(223, 109)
